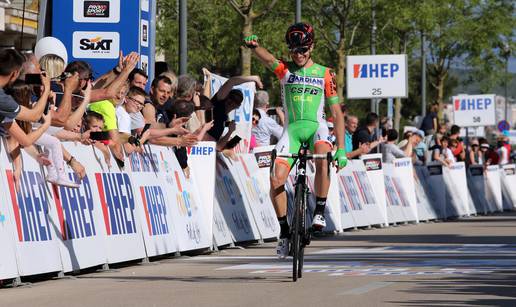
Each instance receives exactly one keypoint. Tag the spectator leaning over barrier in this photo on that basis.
(365, 134)
(155, 114)
(22, 93)
(267, 126)
(413, 139)
(443, 153)
(187, 90)
(459, 152)
(224, 101)
(475, 154)
(391, 151)
(351, 127)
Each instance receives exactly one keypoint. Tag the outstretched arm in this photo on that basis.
(261, 53)
(234, 81)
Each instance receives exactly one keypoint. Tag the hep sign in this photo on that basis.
(377, 76)
(474, 110)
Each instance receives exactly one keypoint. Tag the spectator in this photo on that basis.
(154, 110)
(351, 127)
(414, 139)
(138, 78)
(267, 126)
(224, 101)
(442, 153)
(475, 154)
(429, 123)
(502, 151)
(365, 134)
(53, 66)
(255, 122)
(391, 151)
(459, 151)
(187, 89)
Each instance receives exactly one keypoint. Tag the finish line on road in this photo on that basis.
(429, 260)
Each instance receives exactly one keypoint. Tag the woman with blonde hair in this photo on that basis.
(53, 65)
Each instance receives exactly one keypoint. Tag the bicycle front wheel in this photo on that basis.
(297, 233)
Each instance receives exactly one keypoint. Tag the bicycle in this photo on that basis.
(300, 233)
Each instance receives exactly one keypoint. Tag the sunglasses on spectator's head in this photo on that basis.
(300, 49)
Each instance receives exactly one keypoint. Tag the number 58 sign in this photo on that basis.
(377, 76)
(474, 110)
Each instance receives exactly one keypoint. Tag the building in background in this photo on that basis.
(14, 21)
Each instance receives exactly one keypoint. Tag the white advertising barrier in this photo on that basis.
(153, 206)
(477, 184)
(113, 190)
(374, 170)
(35, 237)
(263, 158)
(349, 184)
(222, 235)
(243, 115)
(474, 110)
(377, 76)
(78, 218)
(425, 210)
(367, 195)
(494, 186)
(201, 161)
(455, 179)
(438, 195)
(187, 213)
(257, 195)
(235, 210)
(396, 201)
(404, 181)
(508, 175)
(8, 268)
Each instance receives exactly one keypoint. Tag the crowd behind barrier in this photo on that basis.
(150, 208)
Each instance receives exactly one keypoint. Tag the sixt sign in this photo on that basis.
(375, 70)
(30, 207)
(75, 210)
(155, 210)
(117, 202)
(95, 45)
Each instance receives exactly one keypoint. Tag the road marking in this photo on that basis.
(369, 287)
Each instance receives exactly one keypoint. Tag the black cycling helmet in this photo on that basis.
(300, 35)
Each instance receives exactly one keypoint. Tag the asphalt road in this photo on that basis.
(471, 262)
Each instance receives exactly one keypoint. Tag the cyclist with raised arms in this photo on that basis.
(305, 86)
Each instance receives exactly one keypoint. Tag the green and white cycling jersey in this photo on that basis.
(304, 92)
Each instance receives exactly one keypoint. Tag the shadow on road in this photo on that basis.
(195, 279)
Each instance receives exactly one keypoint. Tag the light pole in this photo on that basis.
(506, 55)
(298, 11)
(373, 43)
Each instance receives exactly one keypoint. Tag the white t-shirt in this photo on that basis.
(504, 156)
(265, 128)
(123, 120)
(137, 120)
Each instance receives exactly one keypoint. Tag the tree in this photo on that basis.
(249, 12)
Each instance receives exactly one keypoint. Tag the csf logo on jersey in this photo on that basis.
(30, 207)
(117, 202)
(98, 9)
(375, 70)
(469, 104)
(103, 45)
(155, 210)
(75, 209)
(144, 162)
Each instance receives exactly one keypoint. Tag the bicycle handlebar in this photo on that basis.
(307, 156)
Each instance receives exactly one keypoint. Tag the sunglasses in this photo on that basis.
(300, 50)
(255, 120)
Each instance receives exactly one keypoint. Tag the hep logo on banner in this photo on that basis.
(30, 207)
(75, 210)
(467, 104)
(117, 202)
(155, 210)
(144, 162)
(184, 200)
(384, 70)
(200, 150)
(252, 184)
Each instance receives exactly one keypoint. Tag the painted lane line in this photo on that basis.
(367, 288)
